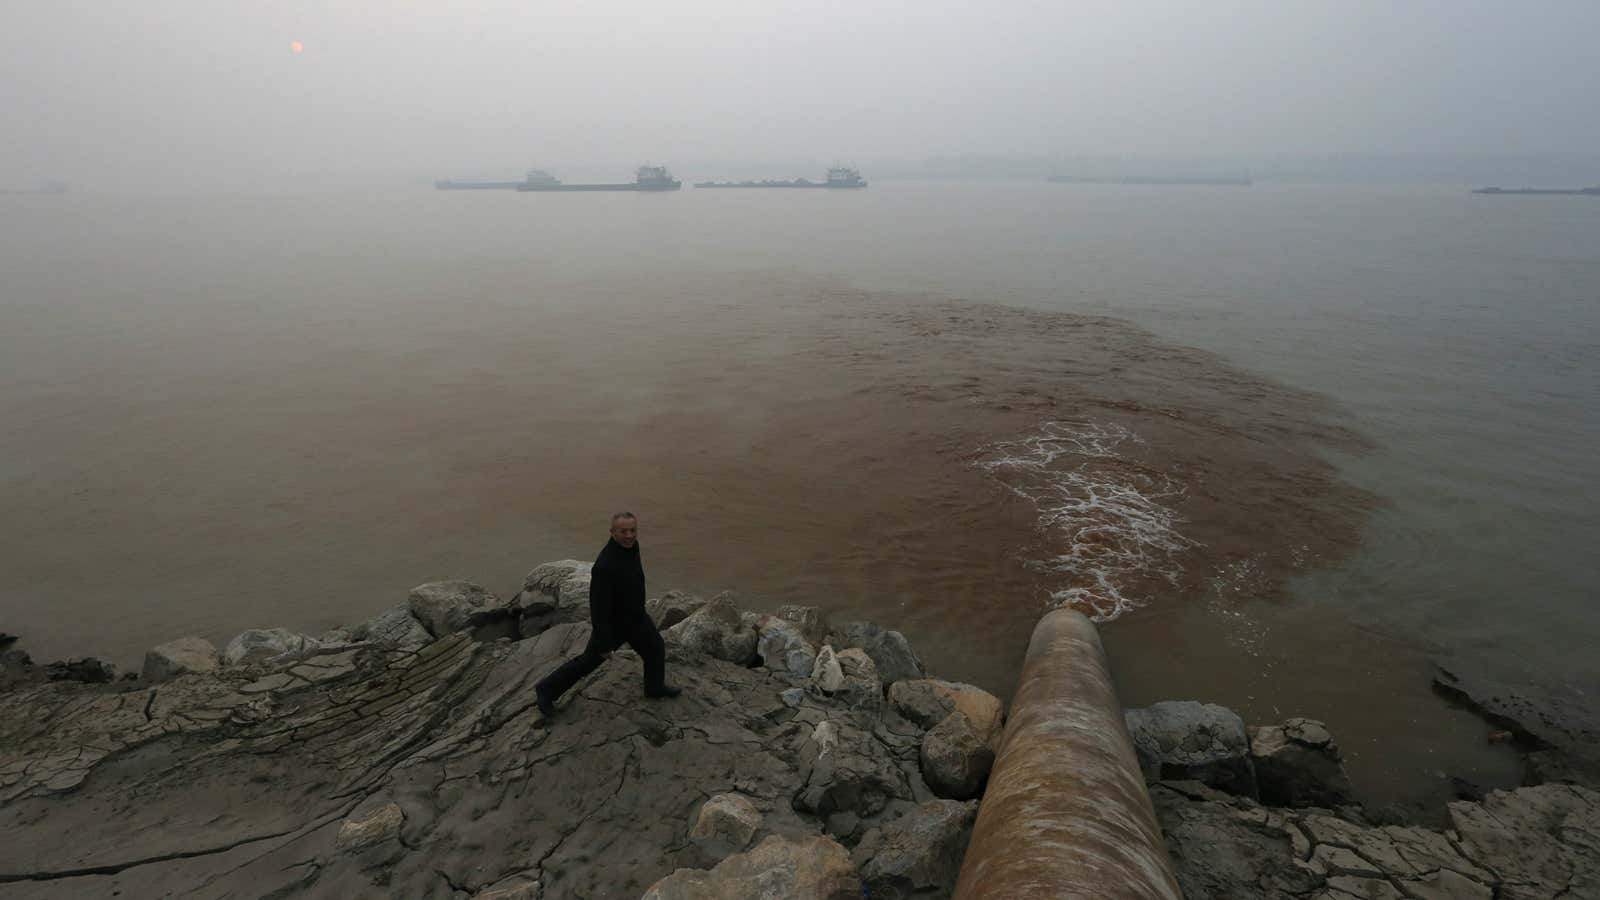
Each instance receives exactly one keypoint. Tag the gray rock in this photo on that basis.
(672, 607)
(1541, 841)
(1298, 764)
(716, 630)
(793, 697)
(826, 672)
(861, 686)
(779, 868)
(88, 670)
(890, 651)
(370, 828)
(812, 622)
(541, 587)
(1183, 739)
(268, 647)
(845, 769)
(783, 648)
(179, 657)
(920, 852)
(956, 758)
(395, 627)
(445, 607)
(927, 701)
(725, 824)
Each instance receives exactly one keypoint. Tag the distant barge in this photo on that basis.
(1154, 180)
(1588, 191)
(648, 178)
(838, 177)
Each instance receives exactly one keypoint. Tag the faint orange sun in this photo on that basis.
(296, 47)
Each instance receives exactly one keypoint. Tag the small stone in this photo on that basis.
(826, 672)
(793, 697)
(179, 657)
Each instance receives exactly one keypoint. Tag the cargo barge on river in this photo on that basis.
(647, 178)
(838, 177)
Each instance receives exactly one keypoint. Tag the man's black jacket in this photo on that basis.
(616, 596)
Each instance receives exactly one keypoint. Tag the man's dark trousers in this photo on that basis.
(617, 617)
(642, 637)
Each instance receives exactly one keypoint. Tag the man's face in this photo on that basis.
(625, 532)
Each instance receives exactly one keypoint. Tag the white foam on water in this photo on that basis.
(1109, 511)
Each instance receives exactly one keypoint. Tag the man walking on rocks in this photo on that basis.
(617, 617)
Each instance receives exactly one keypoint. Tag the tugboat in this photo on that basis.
(838, 177)
(648, 178)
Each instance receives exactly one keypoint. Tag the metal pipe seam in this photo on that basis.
(1066, 813)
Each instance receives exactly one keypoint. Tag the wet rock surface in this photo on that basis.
(376, 767)
(1533, 842)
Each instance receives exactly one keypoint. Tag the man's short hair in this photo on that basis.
(623, 515)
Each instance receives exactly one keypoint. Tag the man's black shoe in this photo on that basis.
(665, 691)
(547, 703)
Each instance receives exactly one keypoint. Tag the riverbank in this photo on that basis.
(404, 756)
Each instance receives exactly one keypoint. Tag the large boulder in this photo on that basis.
(956, 758)
(725, 824)
(541, 587)
(1187, 740)
(672, 607)
(268, 647)
(919, 853)
(783, 648)
(1298, 764)
(779, 868)
(890, 651)
(179, 657)
(927, 701)
(716, 630)
(446, 607)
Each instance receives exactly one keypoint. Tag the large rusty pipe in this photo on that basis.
(1066, 813)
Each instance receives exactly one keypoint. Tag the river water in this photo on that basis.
(1288, 442)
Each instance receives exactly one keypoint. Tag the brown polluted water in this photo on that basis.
(948, 468)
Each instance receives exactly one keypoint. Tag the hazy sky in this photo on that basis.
(133, 89)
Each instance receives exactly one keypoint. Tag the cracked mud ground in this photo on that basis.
(381, 772)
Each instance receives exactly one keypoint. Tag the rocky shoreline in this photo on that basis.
(404, 756)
